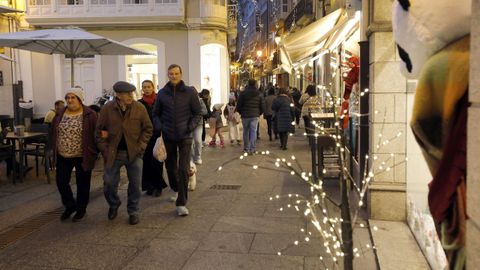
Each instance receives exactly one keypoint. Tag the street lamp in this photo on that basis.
(259, 53)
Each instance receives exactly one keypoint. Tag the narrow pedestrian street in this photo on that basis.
(375, 98)
(232, 223)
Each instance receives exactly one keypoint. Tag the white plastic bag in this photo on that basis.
(159, 151)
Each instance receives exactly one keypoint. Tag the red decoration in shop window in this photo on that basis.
(350, 80)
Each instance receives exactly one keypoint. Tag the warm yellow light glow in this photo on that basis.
(277, 40)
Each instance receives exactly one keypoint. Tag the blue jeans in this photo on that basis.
(111, 179)
(249, 133)
(197, 143)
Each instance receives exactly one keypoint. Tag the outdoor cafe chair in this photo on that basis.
(7, 154)
(39, 148)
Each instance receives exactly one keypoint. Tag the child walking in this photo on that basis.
(217, 115)
(233, 120)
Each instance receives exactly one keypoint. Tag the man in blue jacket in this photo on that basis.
(176, 113)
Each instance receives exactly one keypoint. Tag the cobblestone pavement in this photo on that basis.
(233, 228)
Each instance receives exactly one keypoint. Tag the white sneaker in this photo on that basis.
(198, 162)
(173, 198)
(182, 211)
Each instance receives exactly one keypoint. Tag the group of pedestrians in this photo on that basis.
(277, 108)
(281, 108)
(124, 132)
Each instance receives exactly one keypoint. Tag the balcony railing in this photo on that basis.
(55, 11)
(302, 14)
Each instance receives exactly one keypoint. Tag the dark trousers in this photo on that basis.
(203, 130)
(152, 173)
(269, 125)
(298, 112)
(178, 164)
(64, 173)
(283, 139)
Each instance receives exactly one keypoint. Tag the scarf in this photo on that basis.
(439, 123)
(443, 82)
(149, 99)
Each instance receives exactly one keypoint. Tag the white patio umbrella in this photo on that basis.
(5, 9)
(4, 57)
(72, 42)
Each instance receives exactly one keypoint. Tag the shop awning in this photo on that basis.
(286, 63)
(352, 42)
(282, 69)
(347, 33)
(310, 39)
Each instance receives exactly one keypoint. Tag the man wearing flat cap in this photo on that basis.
(123, 131)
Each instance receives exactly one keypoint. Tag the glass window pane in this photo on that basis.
(134, 2)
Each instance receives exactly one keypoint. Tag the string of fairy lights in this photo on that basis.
(322, 223)
(248, 27)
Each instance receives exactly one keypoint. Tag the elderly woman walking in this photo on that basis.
(73, 139)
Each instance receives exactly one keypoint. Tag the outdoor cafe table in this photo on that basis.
(321, 141)
(21, 147)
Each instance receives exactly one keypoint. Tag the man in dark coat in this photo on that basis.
(176, 113)
(251, 105)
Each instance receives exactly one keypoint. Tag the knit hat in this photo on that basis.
(123, 87)
(77, 91)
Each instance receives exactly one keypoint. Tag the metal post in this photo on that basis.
(347, 234)
(72, 64)
(347, 230)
